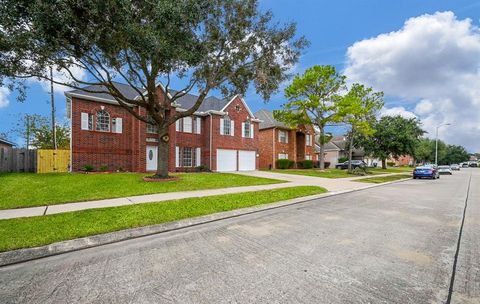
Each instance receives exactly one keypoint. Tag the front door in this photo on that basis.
(152, 158)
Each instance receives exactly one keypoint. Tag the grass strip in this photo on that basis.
(20, 190)
(42, 230)
(383, 179)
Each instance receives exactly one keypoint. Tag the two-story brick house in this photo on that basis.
(222, 135)
(278, 141)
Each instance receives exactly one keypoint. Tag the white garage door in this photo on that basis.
(246, 160)
(226, 160)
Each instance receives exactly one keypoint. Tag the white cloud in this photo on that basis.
(64, 77)
(4, 93)
(395, 111)
(434, 61)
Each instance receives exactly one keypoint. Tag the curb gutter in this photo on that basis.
(29, 254)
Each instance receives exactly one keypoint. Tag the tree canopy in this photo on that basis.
(394, 136)
(358, 108)
(313, 100)
(211, 45)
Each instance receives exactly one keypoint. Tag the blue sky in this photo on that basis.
(331, 27)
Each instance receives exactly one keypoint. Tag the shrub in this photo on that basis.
(88, 168)
(202, 168)
(390, 163)
(342, 159)
(307, 164)
(104, 168)
(359, 171)
(285, 163)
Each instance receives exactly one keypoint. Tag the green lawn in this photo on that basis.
(28, 189)
(383, 179)
(42, 230)
(338, 173)
(391, 170)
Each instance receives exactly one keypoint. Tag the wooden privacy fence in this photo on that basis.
(18, 160)
(52, 161)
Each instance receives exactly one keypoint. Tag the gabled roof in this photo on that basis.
(185, 102)
(330, 146)
(4, 141)
(268, 120)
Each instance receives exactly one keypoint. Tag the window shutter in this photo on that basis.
(286, 137)
(198, 157)
(118, 125)
(279, 135)
(243, 129)
(221, 126)
(232, 128)
(84, 121)
(177, 156)
(177, 125)
(198, 125)
(251, 130)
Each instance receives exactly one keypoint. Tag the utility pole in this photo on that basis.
(54, 129)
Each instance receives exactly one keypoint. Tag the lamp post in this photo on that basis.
(436, 142)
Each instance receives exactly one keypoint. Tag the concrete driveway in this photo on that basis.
(390, 244)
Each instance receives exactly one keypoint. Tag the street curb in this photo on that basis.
(28, 254)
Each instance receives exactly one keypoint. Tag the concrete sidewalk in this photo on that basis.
(332, 185)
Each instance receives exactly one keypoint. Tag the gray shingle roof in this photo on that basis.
(186, 101)
(268, 120)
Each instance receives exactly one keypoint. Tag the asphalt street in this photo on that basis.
(391, 244)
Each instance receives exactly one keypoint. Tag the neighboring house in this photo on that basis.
(5, 144)
(336, 148)
(278, 141)
(406, 160)
(331, 154)
(222, 135)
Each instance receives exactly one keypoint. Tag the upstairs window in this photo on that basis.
(187, 124)
(309, 140)
(282, 136)
(247, 129)
(152, 126)
(103, 121)
(227, 126)
(87, 121)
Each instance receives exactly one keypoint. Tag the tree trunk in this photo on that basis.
(350, 153)
(384, 163)
(322, 149)
(163, 154)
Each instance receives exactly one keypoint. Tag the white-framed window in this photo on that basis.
(87, 121)
(247, 129)
(187, 124)
(152, 126)
(198, 125)
(283, 136)
(103, 121)
(117, 125)
(227, 125)
(187, 157)
(282, 155)
(308, 157)
(309, 139)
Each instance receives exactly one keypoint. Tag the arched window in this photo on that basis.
(103, 121)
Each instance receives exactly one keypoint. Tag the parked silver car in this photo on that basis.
(455, 167)
(445, 170)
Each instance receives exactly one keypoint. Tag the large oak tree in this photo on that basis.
(219, 45)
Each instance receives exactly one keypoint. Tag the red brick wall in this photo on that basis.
(236, 142)
(90, 147)
(265, 148)
(127, 151)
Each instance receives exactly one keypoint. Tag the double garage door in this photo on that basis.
(228, 161)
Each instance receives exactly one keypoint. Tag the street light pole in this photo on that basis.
(436, 142)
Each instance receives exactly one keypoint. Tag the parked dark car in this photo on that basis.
(355, 164)
(473, 165)
(426, 171)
